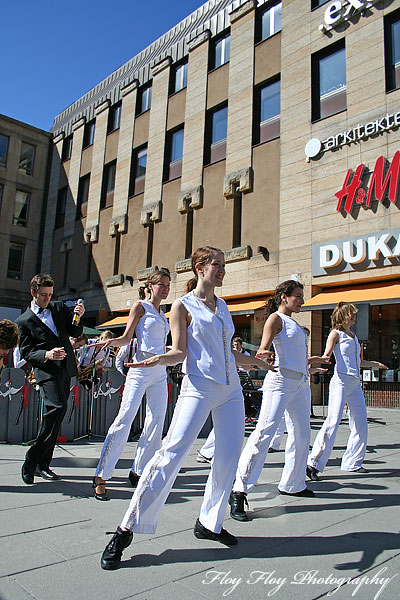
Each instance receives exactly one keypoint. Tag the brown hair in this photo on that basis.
(41, 280)
(155, 277)
(201, 256)
(286, 287)
(8, 334)
(341, 312)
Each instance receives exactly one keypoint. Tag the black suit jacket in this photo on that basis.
(36, 338)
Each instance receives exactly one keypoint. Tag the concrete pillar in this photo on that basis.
(78, 129)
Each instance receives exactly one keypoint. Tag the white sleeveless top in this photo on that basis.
(151, 332)
(347, 353)
(209, 336)
(291, 346)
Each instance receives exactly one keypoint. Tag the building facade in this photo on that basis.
(24, 152)
(269, 129)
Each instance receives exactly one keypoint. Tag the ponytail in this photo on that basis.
(155, 277)
(201, 256)
(286, 287)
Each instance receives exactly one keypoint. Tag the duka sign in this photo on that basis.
(383, 184)
(342, 10)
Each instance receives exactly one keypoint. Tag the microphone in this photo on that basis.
(76, 318)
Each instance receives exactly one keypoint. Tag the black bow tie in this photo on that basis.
(41, 310)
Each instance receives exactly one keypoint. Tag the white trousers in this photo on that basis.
(208, 447)
(153, 382)
(342, 389)
(198, 397)
(280, 394)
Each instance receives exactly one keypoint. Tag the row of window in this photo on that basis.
(26, 158)
(21, 206)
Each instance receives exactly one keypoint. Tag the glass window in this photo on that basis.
(145, 99)
(316, 3)
(1, 196)
(21, 207)
(61, 204)
(139, 162)
(3, 150)
(216, 132)
(392, 51)
(15, 261)
(26, 159)
(66, 148)
(329, 83)
(181, 77)
(83, 197)
(88, 136)
(270, 109)
(271, 21)
(174, 154)
(114, 118)
(107, 198)
(222, 51)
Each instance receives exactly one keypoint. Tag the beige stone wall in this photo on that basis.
(51, 205)
(96, 175)
(73, 179)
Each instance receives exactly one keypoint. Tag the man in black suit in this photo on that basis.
(44, 330)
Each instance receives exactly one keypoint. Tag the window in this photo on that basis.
(328, 82)
(3, 150)
(1, 196)
(216, 132)
(66, 148)
(15, 261)
(114, 118)
(61, 204)
(21, 207)
(271, 21)
(83, 197)
(180, 77)
(221, 51)
(26, 159)
(88, 135)
(267, 112)
(144, 99)
(174, 154)
(138, 171)
(107, 194)
(392, 51)
(316, 3)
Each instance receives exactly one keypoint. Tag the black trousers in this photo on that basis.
(54, 393)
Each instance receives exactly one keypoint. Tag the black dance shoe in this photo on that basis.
(104, 497)
(237, 500)
(28, 473)
(304, 493)
(133, 478)
(202, 533)
(312, 473)
(47, 473)
(112, 554)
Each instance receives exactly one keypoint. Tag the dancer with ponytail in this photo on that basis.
(201, 328)
(288, 390)
(151, 328)
(344, 387)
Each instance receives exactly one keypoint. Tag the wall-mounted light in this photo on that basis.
(264, 251)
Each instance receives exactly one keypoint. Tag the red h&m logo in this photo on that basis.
(379, 186)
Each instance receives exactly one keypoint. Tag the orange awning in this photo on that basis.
(115, 322)
(244, 306)
(373, 293)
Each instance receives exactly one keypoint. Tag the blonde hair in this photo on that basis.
(155, 277)
(201, 256)
(341, 312)
(106, 335)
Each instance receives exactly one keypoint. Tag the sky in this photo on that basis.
(54, 52)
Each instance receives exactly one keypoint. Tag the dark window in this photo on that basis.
(21, 207)
(216, 132)
(3, 150)
(221, 51)
(15, 260)
(1, 196)
(270, 22)
(328, 82)
(61, 204)
(26, 159)
(107, 195)
(316, 3)
(88, 135)
(138, 171)
(267, 112)
(144, 99)
(174, 153)
(180, 77)
(392, 51)
(114, 118)
(66, 148)
(83, 197)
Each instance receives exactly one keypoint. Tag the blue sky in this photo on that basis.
(54, 52)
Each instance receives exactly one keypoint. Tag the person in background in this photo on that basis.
(344, 387)
(8, 338)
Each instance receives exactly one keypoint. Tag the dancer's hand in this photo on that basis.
(148, 362)
(265, 354)
(314, 370)
(325, 360)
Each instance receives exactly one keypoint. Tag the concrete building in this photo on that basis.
(24, 152)
(269, 129)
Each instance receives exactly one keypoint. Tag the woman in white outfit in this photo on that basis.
(287, 390)
(201, 328)
(151, 328)
(345, 387)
